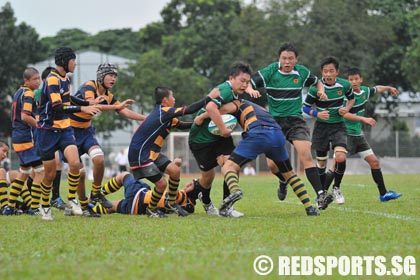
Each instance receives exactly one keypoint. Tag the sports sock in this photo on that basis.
(99, 209)
(321, 174)
(26, 196)
(154, 199)
(172, 189)
(300, 190)
(3, 193)
(340, 168)
(225, 190)
(282, 181)
(16, 188)
(73, 181)
(205, 193)
(45, 195)
(29, 183)
(95, 188)
(111, 186)
(56, 185)
(232, 181)
(379, 180)
(36, 195)
(313, 178)
(329, 177)
(83, 202)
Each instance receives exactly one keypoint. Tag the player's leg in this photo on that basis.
(339, 169)
(56, 200)
(72, 156)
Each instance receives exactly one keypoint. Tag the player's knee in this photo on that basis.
(96, 152)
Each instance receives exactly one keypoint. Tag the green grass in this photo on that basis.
(201, 247)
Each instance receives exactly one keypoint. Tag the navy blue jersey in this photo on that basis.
(22, 134)
(149, 137)
(55, 92)
(251, 115)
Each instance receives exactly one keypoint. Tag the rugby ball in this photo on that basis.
(229, 120)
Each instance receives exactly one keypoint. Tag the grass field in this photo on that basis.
(202, 247)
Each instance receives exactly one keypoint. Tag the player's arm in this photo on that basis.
(197, 105)
(321, 90)
(212, 109)
(28, 119)
(356, 118)
(229, 108)
(310, 100)
(117, 107)
(392, 90)
(129, 114)
(350, 102)
(92, 110)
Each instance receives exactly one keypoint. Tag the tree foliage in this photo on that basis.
(19, 46)
(193, 46)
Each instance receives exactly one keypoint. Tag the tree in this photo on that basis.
(410, 65)
(74, 38)
(138, 82)
(19, 47)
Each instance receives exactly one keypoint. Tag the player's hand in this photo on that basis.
(198, 120)
(369, 121)
(324, 115)
(253, 93)
(91, 110)
(393, 91)
(342, 111)
(226, 132)
(322, 95)
(125, 104)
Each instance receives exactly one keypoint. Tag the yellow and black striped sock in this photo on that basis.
(111, 186)
(26, 196)
(36, 195)
(16, 188)
(172, 189)
(3, 193)
(300, 190)
(99, 209)
(154, 199)
(73, 180)
(45, 195)
(232, 181)
(95, 188)
(83, 202)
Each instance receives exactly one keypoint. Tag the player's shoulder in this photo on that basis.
(345, 83)
(301, 68)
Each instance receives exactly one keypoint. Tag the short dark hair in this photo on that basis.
(29, 72)
(160, 93)
(330, 60)
(240, 67)
(288, 47)
(353, 71)
(46, 72)
(3, 144)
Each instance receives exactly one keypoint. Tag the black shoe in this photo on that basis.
(312, 211)
(9, 211)
(155, 213)
(101, 199)
(179, 210)
(88, 212)
(324, 199)
(282, 191)
(230, 200)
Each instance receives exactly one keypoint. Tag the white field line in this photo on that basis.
(368, 212)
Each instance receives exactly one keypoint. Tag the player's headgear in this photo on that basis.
(103, 70)
(62, 57)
